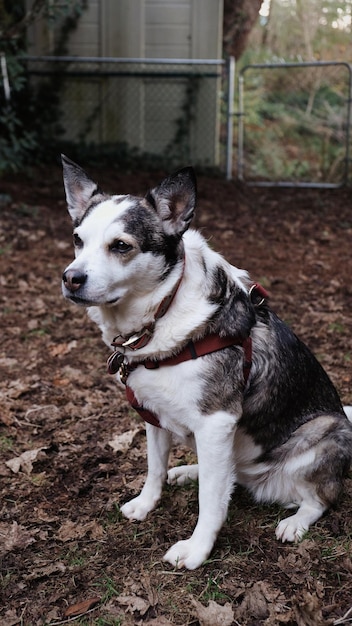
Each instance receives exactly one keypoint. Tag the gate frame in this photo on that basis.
(241, 116)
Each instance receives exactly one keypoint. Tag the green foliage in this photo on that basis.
(295, 123)
(295, 119)
(29, 120)
(107, 587)
(6, 443)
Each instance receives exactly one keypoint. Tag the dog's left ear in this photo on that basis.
(174, 200)
(79, 188)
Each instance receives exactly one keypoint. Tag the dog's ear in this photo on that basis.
(79, 188)
(174, 200)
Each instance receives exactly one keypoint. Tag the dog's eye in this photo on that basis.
(120, 246)
(77, 241)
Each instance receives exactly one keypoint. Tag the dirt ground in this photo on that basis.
(66, 553)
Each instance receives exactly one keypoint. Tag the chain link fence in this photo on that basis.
(174, 111)
(290, 122)
(294, 124)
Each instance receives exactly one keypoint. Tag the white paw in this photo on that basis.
(290, 529)
(182, 474)
(187, 554)
(138, 508)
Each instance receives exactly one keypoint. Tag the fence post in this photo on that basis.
(5, 77)
(230, 113)
(240, 127)
(348, 126)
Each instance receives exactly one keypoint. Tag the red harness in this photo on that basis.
(193, 350)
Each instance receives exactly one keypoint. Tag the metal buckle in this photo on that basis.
(139, 340)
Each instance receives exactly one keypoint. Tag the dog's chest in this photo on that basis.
(172, 393)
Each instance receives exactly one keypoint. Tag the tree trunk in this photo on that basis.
(239, 19)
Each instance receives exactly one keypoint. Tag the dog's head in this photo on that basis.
(124, 244)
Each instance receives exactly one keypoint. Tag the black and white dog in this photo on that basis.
(205, 361)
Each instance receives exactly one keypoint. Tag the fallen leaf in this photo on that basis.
(296, 564)
(70, 530)
(81, 607)
(121, 443)
(10, 618)
(136, 484)
(254, 604)
(25, 460)
(53, 615)
(45, 570)
(262, 602)
(16, 389)
(214, 614)
(134, 603)
(15, 538)
(61, 349)
(59, 381)
(308, 610)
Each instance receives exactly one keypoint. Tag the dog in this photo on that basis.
(205, 361)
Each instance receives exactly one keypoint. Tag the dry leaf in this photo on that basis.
(70, 530)
(60, 381)
(297, 564)
(25, 460)
(10, 618)
(53, 615)
(254, 604)
(214, 614)
(134, 603)
(15, 389)
(61, 349)
(308, 610)
(15, 537)
(46, 570)
(121, 443)
(81, 607)
(262, 602)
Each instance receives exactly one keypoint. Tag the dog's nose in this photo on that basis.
(73, 280)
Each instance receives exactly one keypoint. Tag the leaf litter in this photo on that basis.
(71, 450)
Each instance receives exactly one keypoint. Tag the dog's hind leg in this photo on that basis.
(182, 474)
(293, 528)
(158, 446)
(316, 475)
(214, 441)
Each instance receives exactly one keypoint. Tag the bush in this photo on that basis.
(30, 119)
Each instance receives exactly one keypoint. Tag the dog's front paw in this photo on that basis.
(138, 508)
(182, 474)
(289, 529)
(188, 553)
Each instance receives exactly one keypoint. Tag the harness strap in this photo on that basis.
(193, 350)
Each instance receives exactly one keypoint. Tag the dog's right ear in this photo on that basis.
(79, 188)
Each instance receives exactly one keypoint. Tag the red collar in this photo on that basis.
(193, 350)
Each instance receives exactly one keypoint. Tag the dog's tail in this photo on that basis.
(348, 411)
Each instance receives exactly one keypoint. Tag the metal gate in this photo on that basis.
(294, 124)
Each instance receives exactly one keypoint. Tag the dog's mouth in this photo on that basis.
(84, 302)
